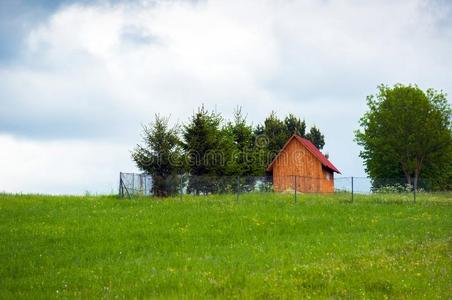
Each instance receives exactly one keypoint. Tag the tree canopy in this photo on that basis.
(407, 133)
(316, 137)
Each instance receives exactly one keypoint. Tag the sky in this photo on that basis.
(79, 78)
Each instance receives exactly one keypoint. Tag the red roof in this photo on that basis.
(311, 148)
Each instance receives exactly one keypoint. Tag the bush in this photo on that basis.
(396, 188)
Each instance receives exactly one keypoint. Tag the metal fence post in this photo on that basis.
(295, 187)
(144, 184)
(180, 187)
(238, 187)
(352, 189)
(121, 194)
(133, 184)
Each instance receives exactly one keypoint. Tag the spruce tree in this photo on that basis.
(207, 150)
(160, 156)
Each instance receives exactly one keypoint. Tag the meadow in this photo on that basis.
(259, 246)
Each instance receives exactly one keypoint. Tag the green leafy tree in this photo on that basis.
(160, 156)
(407, 132)
(276, 134)
(316, 137)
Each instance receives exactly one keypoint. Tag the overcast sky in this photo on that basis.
(78, 78)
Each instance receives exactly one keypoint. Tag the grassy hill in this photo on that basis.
(262, 246)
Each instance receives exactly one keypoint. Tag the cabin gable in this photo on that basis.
(296, 166)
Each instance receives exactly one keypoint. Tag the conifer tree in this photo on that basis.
(207, 149)
(160, 156)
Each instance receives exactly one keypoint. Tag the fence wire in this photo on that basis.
(132, 185)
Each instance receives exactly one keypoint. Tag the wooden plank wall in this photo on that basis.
(296, 160)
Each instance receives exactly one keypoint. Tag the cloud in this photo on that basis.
(82, 70)
(61, 167)
(93, 72)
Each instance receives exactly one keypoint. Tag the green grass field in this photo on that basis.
(261, 246)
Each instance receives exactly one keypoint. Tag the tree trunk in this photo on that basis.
(407, 174)
(408, 178)
(416, 177)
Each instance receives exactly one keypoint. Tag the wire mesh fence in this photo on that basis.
(132, 185)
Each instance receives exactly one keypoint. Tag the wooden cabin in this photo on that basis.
(300, 164)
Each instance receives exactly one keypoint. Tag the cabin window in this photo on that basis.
(328, 176)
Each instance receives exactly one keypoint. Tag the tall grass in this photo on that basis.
(259, 246)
